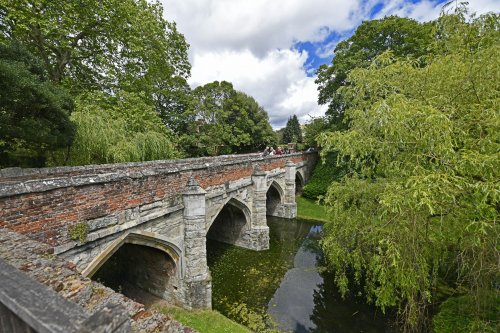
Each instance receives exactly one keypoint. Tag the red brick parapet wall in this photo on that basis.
(43, 203)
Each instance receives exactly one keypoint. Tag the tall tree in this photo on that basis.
(314, 127)
(223, 120)
(420, 205)
(34, 113)
(104, 45)
(404, 37)
(292, 132)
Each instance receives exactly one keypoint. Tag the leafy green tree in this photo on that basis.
(34, 113)
(223, 120)
(313, 128)
(292, 132)
(104, 45)
(404, 37)
(420, 204)
(119, 128)
(249, 117)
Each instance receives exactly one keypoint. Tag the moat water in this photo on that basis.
(288, 283)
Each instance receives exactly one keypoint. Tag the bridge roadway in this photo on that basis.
(145, 225)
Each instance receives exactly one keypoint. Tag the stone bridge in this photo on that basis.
(145, 225)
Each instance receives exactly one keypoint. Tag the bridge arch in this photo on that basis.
(139, 262)
(230, 222)
(274, 197)
(299, 181)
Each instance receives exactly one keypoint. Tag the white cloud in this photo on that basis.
(277, 81)
(258, 25)
(250, 43)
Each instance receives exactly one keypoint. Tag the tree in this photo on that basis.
(313, 128)
(404, 37)
(223, 120)
(420, 205)
(292, 132)
(119, 128)
(34, 113)
(249, 117)
(104, 45)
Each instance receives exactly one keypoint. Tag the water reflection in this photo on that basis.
(288, 282)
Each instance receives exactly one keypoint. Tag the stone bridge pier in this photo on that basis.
(144, 226)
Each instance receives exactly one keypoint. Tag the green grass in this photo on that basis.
(310, 210)
(204, 321)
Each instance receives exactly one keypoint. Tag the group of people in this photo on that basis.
(269, 151)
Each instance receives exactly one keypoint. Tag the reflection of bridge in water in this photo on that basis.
(146, 224)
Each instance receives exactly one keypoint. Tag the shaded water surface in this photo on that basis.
(288, 282)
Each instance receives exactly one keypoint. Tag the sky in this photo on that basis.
(270, 49)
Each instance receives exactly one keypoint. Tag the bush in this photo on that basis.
(325, 172)
(460, 314)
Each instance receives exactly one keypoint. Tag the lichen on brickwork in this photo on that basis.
(79, 232)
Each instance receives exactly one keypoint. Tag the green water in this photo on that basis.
(287, 283)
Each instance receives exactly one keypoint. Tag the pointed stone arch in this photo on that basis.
(231, 222)
(299, 181)
(278, 188)
(140, 263)
(144, 238)
(275, 197)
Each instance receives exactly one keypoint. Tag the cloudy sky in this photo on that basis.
(270, 49)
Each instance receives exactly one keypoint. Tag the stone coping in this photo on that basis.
(38, 262)
(7, 174)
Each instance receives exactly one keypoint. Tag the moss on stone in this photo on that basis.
(79, 232)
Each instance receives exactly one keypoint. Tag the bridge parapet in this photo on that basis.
(83, 212)
(44, 203)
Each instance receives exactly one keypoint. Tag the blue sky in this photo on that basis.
(270, 49)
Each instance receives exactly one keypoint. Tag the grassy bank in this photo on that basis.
(204, 321)
(310, 210)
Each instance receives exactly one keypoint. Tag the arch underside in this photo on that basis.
(299, 182)
(138, 264)
(231, 223)
(274, 199)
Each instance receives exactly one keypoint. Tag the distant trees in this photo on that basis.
(223, 120)
(34, 112)
(292, 131)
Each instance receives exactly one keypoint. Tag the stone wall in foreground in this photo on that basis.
(39, 263)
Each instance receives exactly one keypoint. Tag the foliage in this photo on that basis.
(79, 232)
(459, 314)
(223, 120)
(257, 322)
(204, 321)
(313, 128)
(34, 113)
(422, 191)
(324, 173)
(292, 131)
(404, 37)
(104, 45)
(113, 129)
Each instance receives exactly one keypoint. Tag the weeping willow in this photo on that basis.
(417, 214)
(113, 129)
